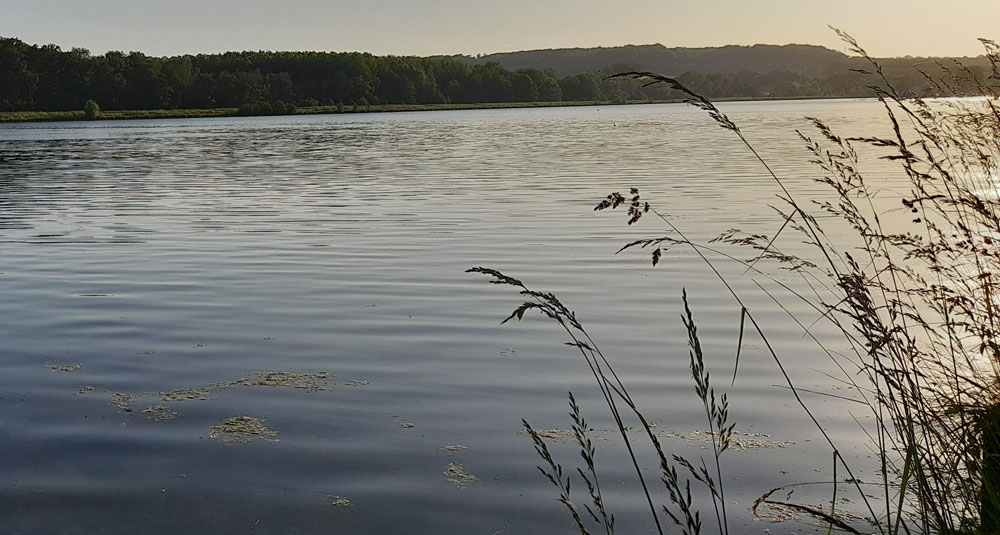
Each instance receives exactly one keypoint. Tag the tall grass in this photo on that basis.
(915, 298)
(616, 396)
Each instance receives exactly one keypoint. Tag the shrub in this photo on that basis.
(91, 110)
(266, 108)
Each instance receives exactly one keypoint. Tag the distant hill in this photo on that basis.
(809, 60)
(48, 78)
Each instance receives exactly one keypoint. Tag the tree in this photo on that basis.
(280, 87)
(546, 83)
(91, 110)
(234, 89)
(523, 88)
(18, 83)
(580, 87)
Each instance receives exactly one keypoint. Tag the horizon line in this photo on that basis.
(480, 55)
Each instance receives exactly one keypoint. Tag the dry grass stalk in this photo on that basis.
(917, 305)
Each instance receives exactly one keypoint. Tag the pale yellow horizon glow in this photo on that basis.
(889, 28)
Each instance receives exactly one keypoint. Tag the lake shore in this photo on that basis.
(51, 116)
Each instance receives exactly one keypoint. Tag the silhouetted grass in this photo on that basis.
(917, 303)
(616, 395)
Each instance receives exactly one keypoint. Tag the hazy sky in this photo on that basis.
(424, 27)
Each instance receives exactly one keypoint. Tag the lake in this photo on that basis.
(167, 285)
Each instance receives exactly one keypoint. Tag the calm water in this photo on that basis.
(137, 258)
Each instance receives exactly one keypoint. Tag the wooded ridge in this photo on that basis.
(48, 78)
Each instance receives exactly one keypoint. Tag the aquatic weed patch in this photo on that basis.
(243, 429)
(307, 381)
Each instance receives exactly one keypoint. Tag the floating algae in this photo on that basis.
(360, 382)
(120, 401)
(65, 367)
(740, 440)
(340, 501)
(199, 393)
(310, 381)
(453, 448)
(558, 435)
(240, 429)
(158, 413)
(775, 513)
(456, 475)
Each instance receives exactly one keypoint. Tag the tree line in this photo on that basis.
(47, 78)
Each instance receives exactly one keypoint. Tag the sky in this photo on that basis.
(429, 27)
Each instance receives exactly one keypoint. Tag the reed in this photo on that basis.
(618, 400)
(915, 301)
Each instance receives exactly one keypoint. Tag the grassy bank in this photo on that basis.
(45, 116)
(35, 116)
(38, 116)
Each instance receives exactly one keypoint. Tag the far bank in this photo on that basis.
(48, 116)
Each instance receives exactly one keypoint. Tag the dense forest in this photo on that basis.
(47, 78)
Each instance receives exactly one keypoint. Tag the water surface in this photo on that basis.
(147, 256)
